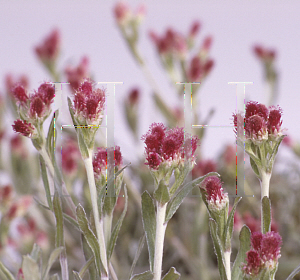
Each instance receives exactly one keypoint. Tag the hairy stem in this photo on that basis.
(227, 264)
(98, 223)
(265, 185)
(159, 239)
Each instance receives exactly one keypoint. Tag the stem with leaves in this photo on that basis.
(98, 223)
(265, 186)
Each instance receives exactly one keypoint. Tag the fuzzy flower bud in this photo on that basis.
(264, 254)
(24, 128)
(195, 28)
(122, 13)
(20, 94)
(215, 197)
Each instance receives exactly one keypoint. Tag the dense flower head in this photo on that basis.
(167, 146)
(134, 96)
(215, 196)
(20, 94)
(122, 13)
(24, 128)
(100, 159)
(263, 53)
(48, 50)
(89, 103)
(260, 123)
(11, 82)
(265, 252)
(75, 75)
(199, 68)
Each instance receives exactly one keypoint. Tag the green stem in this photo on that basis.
(159, 239)
(227, 264)
(88, 162)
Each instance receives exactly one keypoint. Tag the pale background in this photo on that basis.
(88, 28)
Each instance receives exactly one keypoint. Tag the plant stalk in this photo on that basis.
(265, 186)
(88, 162)
(227, 264)
(159, 239)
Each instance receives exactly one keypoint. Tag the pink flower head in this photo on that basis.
(49, 49)
(195, 70)
(195, 28)
(47, 93)
(20, 94)
(89, 103)
(24, 128)
(37, 107)
(207, 43)
(122, 13)
(274, 121)
(265, 252)
(75, 75)
(134, 96)
(264, 54)
(256, 128)
(164, 145)
(255, 108)
(209, 64)
(11, 82)
(215, 196)
(70, 155)
(100, 160)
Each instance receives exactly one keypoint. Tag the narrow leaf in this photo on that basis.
(149, 224)
(4, 273)
(229, 226)
(30, 269)
(76, 275)
(115, 232)
(71, 220)
(180, 177)
(90, 237)
(148, 275)
(137, 255)
(59, 237)
(86, 266)
(45, 181)
(294, 273)
(241, 256)
(161, 194)
(88, 254)
(175, 202)
(266, 207)
(36, 252)
(254, 167)
(172, 275)
(54, 255)
(218, 248)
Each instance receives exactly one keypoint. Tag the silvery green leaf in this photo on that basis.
(88, 254)
(54, 255)
(218, 248)
(161, 194)
(172, 275)
(274, 152)
(148, 275)
(177, 199)
(137, 255)
(86, 266)
(36, 252)
(229, 226)
(82, 145)
(115, 232)
(50, 142)
(72, 113)
(30, 269)
(149, 224)
(254, 167)
(180, 177)
(90, 237)
(267, 218)
(241, 256)
(45, 181)
(59, 236)
(71, 220)
(5, 273)
(294, 273)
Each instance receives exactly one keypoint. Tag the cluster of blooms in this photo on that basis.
(264, 54)
(264, 254)
(75, 75)
(100, 163)
(215, 196)
(167, 147)
(33, 109)
(89, 104)
(70, 155)
(11, 82)
(260, 122)
(49, 49)
(124, 15)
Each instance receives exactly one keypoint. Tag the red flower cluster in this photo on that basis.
(100, 160)
(265, 252)
(215, 196)
(123, 13)
(49, 49)
(264, 53)
(89, 104)
(164, 145)
(32, 107)
(75, 75)
(260, 122)
(198, 69)
(11, 82)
